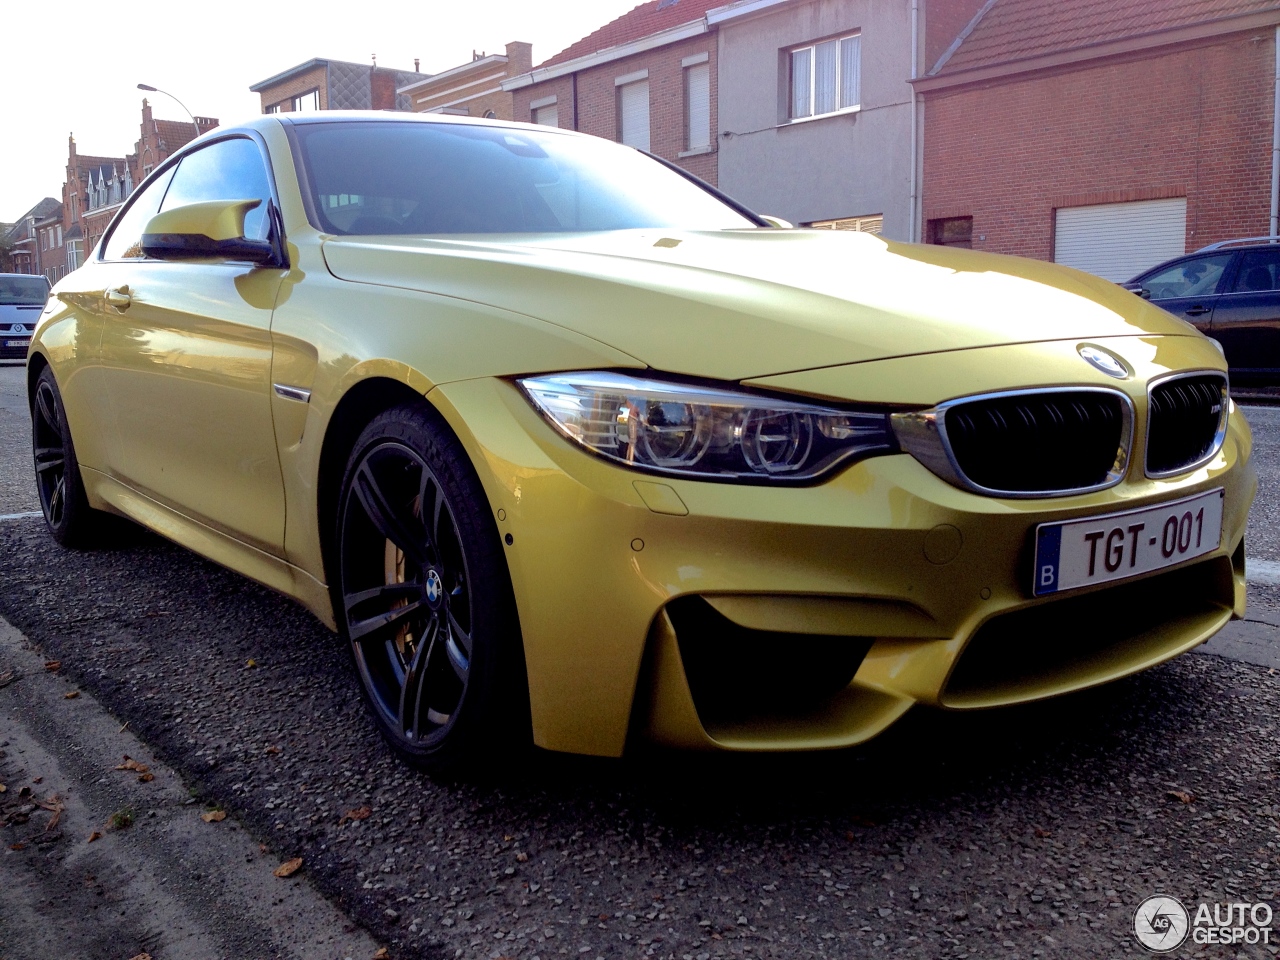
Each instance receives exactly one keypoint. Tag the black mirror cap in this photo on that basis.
(190, 246)
(1137, 288)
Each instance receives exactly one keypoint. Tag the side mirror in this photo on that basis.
(777, 222)
(212, 230)
(1139, 289)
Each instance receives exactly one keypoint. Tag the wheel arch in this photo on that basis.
(35, 366)
(363, 401)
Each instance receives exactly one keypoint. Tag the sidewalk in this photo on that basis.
(168, 884)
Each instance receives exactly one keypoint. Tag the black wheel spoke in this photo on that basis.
(48, 409)
(383, 515)
(462, 637)
(360, 630)
(48, 458)
(390, 592)
(457, 659)
(410, 709)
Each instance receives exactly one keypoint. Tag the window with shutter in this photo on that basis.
(633, 114)
(697, 91)
(548, 116)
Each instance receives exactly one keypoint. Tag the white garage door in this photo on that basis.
(1120, 240)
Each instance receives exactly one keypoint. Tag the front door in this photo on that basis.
(1189, 288)
(186, 360)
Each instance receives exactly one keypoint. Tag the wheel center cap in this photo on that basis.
(435, 588)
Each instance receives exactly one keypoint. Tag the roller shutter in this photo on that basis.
(698, 109)
(633, 103)
(1120, 240)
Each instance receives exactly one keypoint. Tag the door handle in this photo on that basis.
(120, 297)
(1198, 310)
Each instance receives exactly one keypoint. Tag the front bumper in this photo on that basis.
(14, 346)
(720, 616)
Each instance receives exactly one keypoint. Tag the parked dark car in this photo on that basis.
(1231, 292)
(22, 297)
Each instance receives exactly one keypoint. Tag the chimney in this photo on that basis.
(415, 65)
(519, 58)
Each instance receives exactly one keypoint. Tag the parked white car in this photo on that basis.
(22, 297)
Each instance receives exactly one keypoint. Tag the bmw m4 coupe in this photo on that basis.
(571, 448)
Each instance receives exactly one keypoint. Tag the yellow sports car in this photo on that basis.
(567, 445)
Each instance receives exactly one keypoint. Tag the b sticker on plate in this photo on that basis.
(1120, 545)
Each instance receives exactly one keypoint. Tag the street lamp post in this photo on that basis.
(151, 89)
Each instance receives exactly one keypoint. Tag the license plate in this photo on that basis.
(17, 343)
(1100, 549)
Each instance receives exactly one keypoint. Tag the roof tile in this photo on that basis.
(644, 21)
(1013, 30)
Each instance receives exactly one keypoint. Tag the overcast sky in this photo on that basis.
(74, 66)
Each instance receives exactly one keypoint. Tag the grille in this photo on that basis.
(1041, 442)
(1186, 417)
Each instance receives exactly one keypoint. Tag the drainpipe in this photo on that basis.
(1275, 148)
(913, 230)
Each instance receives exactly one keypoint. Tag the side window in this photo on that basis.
(125, 242)
(226, 170)
(1259, 270)
(1190, 278)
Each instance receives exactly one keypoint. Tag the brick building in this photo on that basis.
(647, 79)
(473, 89)
(95, 187)
(1105, 134)
(22, 239)
(320, 84)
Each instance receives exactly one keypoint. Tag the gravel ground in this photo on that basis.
(1032, 831)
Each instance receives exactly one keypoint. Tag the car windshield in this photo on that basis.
(374, 177)
(23, 291)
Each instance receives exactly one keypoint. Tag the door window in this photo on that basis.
(226, 170)
(1190, 278)
(125, 241)
(1259, 271)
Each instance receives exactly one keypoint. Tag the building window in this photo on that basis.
(73, 254)
(274, 108)
(952, 232)
(874, 223)
(58, 234)
(307, 103)
(544, 112)
(633, 114)
(697, 107)
(825, 77)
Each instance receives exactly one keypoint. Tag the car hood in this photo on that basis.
(734, 305)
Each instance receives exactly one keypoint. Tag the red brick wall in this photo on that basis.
(597, 100)
(1194, 121)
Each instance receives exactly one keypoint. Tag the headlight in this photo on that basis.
(704, 432)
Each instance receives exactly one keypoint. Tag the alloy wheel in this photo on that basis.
(49, 442)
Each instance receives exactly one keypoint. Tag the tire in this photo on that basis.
(59, 486)
(426, 606)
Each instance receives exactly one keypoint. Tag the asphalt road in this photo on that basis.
(1025, 832)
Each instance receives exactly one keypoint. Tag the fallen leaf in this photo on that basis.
(53, 666)
(7, 678)
(1042, 833)
(94, 836)
(382, 954)
(1182, 796)
(131, 764)
(17, 846)
(71, 696)
(3, 788)
(359, 813)
(141, 956)
(272, 749)
(522, 857)
(214, 816)
(146, 778)
(53, 821)
(251, 663)
(288, 868)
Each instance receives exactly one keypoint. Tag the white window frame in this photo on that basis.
(812, 48)
(699, 61)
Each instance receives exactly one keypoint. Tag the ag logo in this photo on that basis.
(1161, 924)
